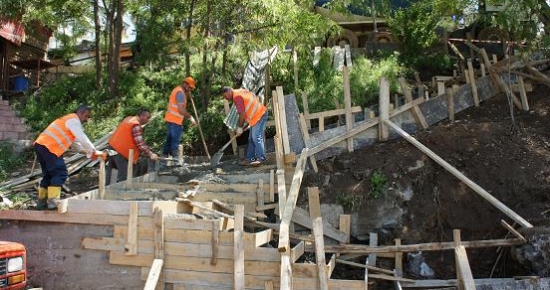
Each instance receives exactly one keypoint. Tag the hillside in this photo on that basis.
(507, 157)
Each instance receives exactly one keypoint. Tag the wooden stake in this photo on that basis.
(416, 112)
(345, 225)
(320, 252)
(101, 188)
(523, 94)
(314, 203)
(459, 281)
(282, 120)
(512, 230)
(238, 260)
(384, 108)
(347, 105)
(131, 243)
(473, 82)
(450, 104)
(398, 260)
(305, 106)
(307, 141)
(130, 169)
(373, 242)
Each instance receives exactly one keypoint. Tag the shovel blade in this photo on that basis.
(216, 158)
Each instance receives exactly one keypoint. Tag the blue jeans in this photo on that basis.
(54, 170)
(173, 138)
(256, 145)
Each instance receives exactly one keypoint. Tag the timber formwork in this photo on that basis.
(155, 231)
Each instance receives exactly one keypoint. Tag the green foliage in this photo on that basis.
(10, 160)
(350, 202)
(429, 64)
(378, 182)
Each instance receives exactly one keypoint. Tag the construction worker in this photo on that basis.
(253, 112)
(50, 146)
(129, 135)
(176, 113)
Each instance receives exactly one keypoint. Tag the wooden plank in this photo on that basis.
(281, 190)
(271, 186)
(416, 112)
(154, 275)
(320, 252)
(367, 266)
(125, 194)
(347, 106)
(238, 250)
(282, 120)
(373, 242)
(307, 141)
(278, 139)
(131, 242)
(465, 271)
(331, 113)
(187, 222)
(305, 107)
(71, 218)
(130, 169)
(450, 104)
(260, 194)
(290, 203)
(398, 260)
(384, 102)
(314, 202)
(209, 187)
(345, 225)
(268, 285)
(473, 82)
(453, 282)
(215, 241)
(523, 94)
(439, 246)
(101, 179)
(301, 217)
(512, 230)
(491, 199)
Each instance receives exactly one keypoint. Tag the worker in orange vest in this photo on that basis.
(251, 111)
(50, 147)
(176, 113)
(129, 135)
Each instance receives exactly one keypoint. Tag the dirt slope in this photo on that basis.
(510, 162)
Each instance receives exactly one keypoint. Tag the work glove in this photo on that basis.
(154, 157)
(239, 131)
(99, 154)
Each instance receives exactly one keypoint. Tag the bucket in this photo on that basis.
(21, 83)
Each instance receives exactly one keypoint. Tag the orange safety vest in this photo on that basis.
(57, 137)
(254, 110)
(123, 140)
(172, 112)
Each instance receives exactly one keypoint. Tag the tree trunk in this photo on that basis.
(188, 37)
(115, 38)
(98, 67)
(205, 72)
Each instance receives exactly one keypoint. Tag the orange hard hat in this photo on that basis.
(190, 81)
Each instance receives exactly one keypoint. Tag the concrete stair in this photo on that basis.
(11, 126)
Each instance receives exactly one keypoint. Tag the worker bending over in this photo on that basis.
(253, 112)
(129, 135)
(176, 113)
(50, 146)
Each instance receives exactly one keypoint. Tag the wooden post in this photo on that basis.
(282, 120)
(281, 190)
(465, 72)
(483, 72)
(345, 225)
(440, 88)
(523, 94)
(271, 186)
(154, 275)
(260, 194)
(305, 106)
(131, 243)
(465, 280)
(101, 188)
(314, 202)
(398, 260)
(416, 112)
(307, 141)
(130, 169)
(215, 241)
(158, 220)
(472, 75)
(384, 108)
(295, 62)
(320, 252)
(373, 242)
(238, 250)
(279, 151)
(469, 40)
(347, 106)
(450, 104)
(459, 281)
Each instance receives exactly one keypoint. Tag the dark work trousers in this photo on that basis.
(54, 170)
(120, 163)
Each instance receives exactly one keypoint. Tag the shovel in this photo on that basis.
(218, 155)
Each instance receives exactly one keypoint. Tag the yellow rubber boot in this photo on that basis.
(54, 193)
(42, 202)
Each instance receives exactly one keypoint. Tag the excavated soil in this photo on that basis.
(508, 157)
